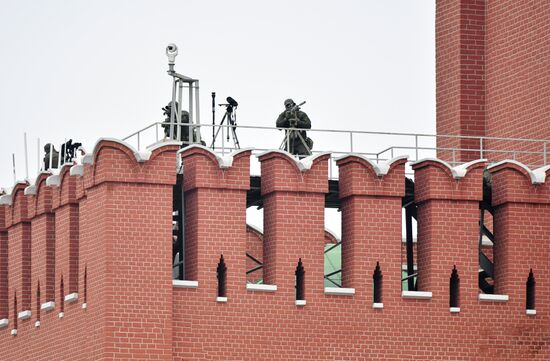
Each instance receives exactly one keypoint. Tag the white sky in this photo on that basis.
(90, 69)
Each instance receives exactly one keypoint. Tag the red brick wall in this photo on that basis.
(518, 81)
(134, 312)
(460, 76)
(492, 76)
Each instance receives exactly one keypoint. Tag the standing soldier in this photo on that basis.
(55, 157)
(296, 142)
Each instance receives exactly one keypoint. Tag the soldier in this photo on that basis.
(55, 157)
(184, 130)
(297, 141)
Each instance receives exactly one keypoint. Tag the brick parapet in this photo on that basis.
(359, 176)
(448, 226)
(371, 224)
(116, 161)
(521, 199)
(215, 205)
(294, 196)
(513, 182)
(281, 172)
(436, 179)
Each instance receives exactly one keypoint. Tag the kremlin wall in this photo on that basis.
(86, 258)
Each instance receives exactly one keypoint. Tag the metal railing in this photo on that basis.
(532, 152)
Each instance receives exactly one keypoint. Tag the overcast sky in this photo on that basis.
(91, 69)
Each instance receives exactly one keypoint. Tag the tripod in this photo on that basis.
(231, 120)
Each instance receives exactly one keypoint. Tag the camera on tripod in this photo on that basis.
(231, 120)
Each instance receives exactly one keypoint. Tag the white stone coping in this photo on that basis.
(260, 288)
(30, 191)
(71, 297)
(338, 291)
(141, 156)
(24, 315)
(300, 302)
(6, 200)
(492, 298)
(77, 170)
(47, 306)
(458, 172)
(224, 161)
(303, 164)
(419, 295)
(14, 332)
(221, 299)
(4, 322)
(37, 324)
(61, 314)
(185, 284)
(53, 181)
(377, 305)
(454, 309)
(530, 312)
(537, 176)
(381, 169)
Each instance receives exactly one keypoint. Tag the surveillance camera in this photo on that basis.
(171, 52)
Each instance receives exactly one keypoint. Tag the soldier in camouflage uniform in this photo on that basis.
(184, 130)
(293, 117)
(55, 157)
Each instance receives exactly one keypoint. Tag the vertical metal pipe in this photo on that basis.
(480, 148)
(26, 156)
(198, 110)
(192, 118)
(416, 145)
(178, 114)
(223, 142)
(172, 107)
(157, 132)
(351, 141)
(13, 165)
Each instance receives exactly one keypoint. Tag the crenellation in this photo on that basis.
(106, 233)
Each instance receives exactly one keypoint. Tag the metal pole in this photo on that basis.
(480, 148)
(416, 145)
(223, 143)
(198, 110)
(178, 114)
(139, 141)
(213, 118)
(26, 157)
(157, 131)
(191, 113)
(172, 107)
(351, 141)
(13, 165)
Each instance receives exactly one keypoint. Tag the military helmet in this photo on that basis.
(289, 102)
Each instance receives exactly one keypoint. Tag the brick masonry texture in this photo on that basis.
(107, 235)
(118, 228)
(492, 76)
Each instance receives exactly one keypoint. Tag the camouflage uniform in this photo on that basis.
(55, 157)
(184, 130)
(295, 119)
